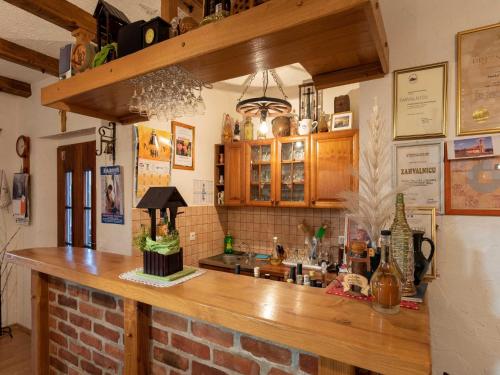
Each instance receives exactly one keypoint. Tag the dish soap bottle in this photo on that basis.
(228, 244)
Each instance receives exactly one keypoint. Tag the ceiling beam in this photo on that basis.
(59, 12)
(15, 87)
(27, 57)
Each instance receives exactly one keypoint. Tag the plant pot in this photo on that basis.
(162, 265)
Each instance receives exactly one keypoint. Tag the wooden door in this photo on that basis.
(234, 176)
(76, 195)
(334, 164)
(292, 171)
(260, 172)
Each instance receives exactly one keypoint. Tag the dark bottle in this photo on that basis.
(292, 274)
(237, 269)
(299, 268)
(226, 7)
(267, 276)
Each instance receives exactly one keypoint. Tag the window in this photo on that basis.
(68, 236)
(87, 210)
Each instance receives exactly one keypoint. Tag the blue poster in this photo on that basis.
(112, 195)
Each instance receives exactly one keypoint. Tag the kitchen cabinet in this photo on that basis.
(260, 172)
(234, 176)
(334, 157)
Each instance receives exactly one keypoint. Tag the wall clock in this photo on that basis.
(23, 151)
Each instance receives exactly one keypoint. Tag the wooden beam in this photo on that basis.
(59, 12)
(137, 319)
(39, 323)
(341, 77)
(15, 87)
(168, 9)
(29, 58)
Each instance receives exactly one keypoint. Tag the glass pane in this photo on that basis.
(255, 153)
(286, 193)
(265, 193)
(286, 151)
(88, 189)
(87, 228)
(286, 173)
(87, 212)
(298, 193)
(266, 153)
(298, 173)
(69, 189)
(298, 150)
(69, 227)
(255, 174)
(265, 173)
(254, 192)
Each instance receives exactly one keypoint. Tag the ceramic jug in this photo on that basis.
(307, 126)
(421, 262)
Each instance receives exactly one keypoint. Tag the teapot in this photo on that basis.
(421, 262)
(307, 126)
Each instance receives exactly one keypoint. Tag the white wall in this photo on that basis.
(465, 301)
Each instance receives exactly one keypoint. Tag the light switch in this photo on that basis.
(192, 236)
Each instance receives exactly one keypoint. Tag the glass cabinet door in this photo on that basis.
(292, 166)
(261, 155)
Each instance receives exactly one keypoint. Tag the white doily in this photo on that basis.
(156, 280)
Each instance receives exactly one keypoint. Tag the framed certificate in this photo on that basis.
(420, 96)
(478, 87)
(418, 173)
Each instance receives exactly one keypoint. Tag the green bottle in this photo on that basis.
(228, 244)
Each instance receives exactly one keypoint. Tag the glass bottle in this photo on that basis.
(248, 129)
(275, 257)
(386, 281)
(402, 245)
(228, 244)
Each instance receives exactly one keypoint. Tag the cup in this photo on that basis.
(306, 126)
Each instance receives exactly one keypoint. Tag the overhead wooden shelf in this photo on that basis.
(336, 41)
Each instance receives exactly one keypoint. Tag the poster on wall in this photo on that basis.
(477, 147)
(112, 210)
(419, 173)
(183, 146)
(203, 192)
(153, 152)
(20, 198)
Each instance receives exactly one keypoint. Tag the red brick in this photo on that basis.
(57, 364)
(114, 318)
(52, 322)
(79, 292)
(277, 371)
(271, 352)
(58, 339)
(67, 330)
(57, 284)
(72, 371)
(80, 350)
(157, 369)
(90, 368)
(170, 358)
(173, 372)
(212, 334)
(104, 300)
(52, 296)
(308, 363)
(170, 320)
(158, 335)
(58, 312)
(106, 332)
(201, 369)
(52, 371)
(105, 362)
(67, 301)
(80, 321)
(91, 340)
(67, 356)
(92, 311)
(52, 348)
(236, 363)
(189, 346)
(114, 351)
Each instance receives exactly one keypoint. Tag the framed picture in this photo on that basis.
(424, 219)
(420, 96)
(341, 121)
(184, 138)
(478, 86)
(472, 186)
(418, 172)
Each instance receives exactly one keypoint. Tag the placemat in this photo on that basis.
(138, 276)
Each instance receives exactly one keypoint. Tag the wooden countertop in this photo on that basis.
(300, 317)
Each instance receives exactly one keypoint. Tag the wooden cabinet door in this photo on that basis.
(260, 172)
(334, 157)
(234, 176)
(292, 171)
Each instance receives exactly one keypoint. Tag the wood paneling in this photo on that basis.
(330, 367)
(234, 177)
(39, 323)
(168, 9)
(334, 161)
(59, 12)
(29, 58)
(15, 87)
(307, 319)
(325, 36)
(137, 317)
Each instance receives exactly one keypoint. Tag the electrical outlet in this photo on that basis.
(192, 236)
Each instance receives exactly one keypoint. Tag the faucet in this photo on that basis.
(250, 254)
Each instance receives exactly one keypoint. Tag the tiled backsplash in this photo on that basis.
(254, 226)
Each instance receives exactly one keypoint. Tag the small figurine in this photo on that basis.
(227, 129)
(237, 132)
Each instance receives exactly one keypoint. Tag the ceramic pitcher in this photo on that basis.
(421, 262)
(306, 126)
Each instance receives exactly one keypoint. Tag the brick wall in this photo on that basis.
(86, 336)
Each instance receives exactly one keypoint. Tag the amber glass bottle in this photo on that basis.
(386, 281)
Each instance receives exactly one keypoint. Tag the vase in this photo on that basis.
(422, 263)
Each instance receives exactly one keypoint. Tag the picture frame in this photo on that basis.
(418, 171)
(183, 146)
(420, 96)
(472, 186)
(424, 218)
(477, 81)
(341, 121)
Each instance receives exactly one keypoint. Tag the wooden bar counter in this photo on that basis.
(344, 334)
